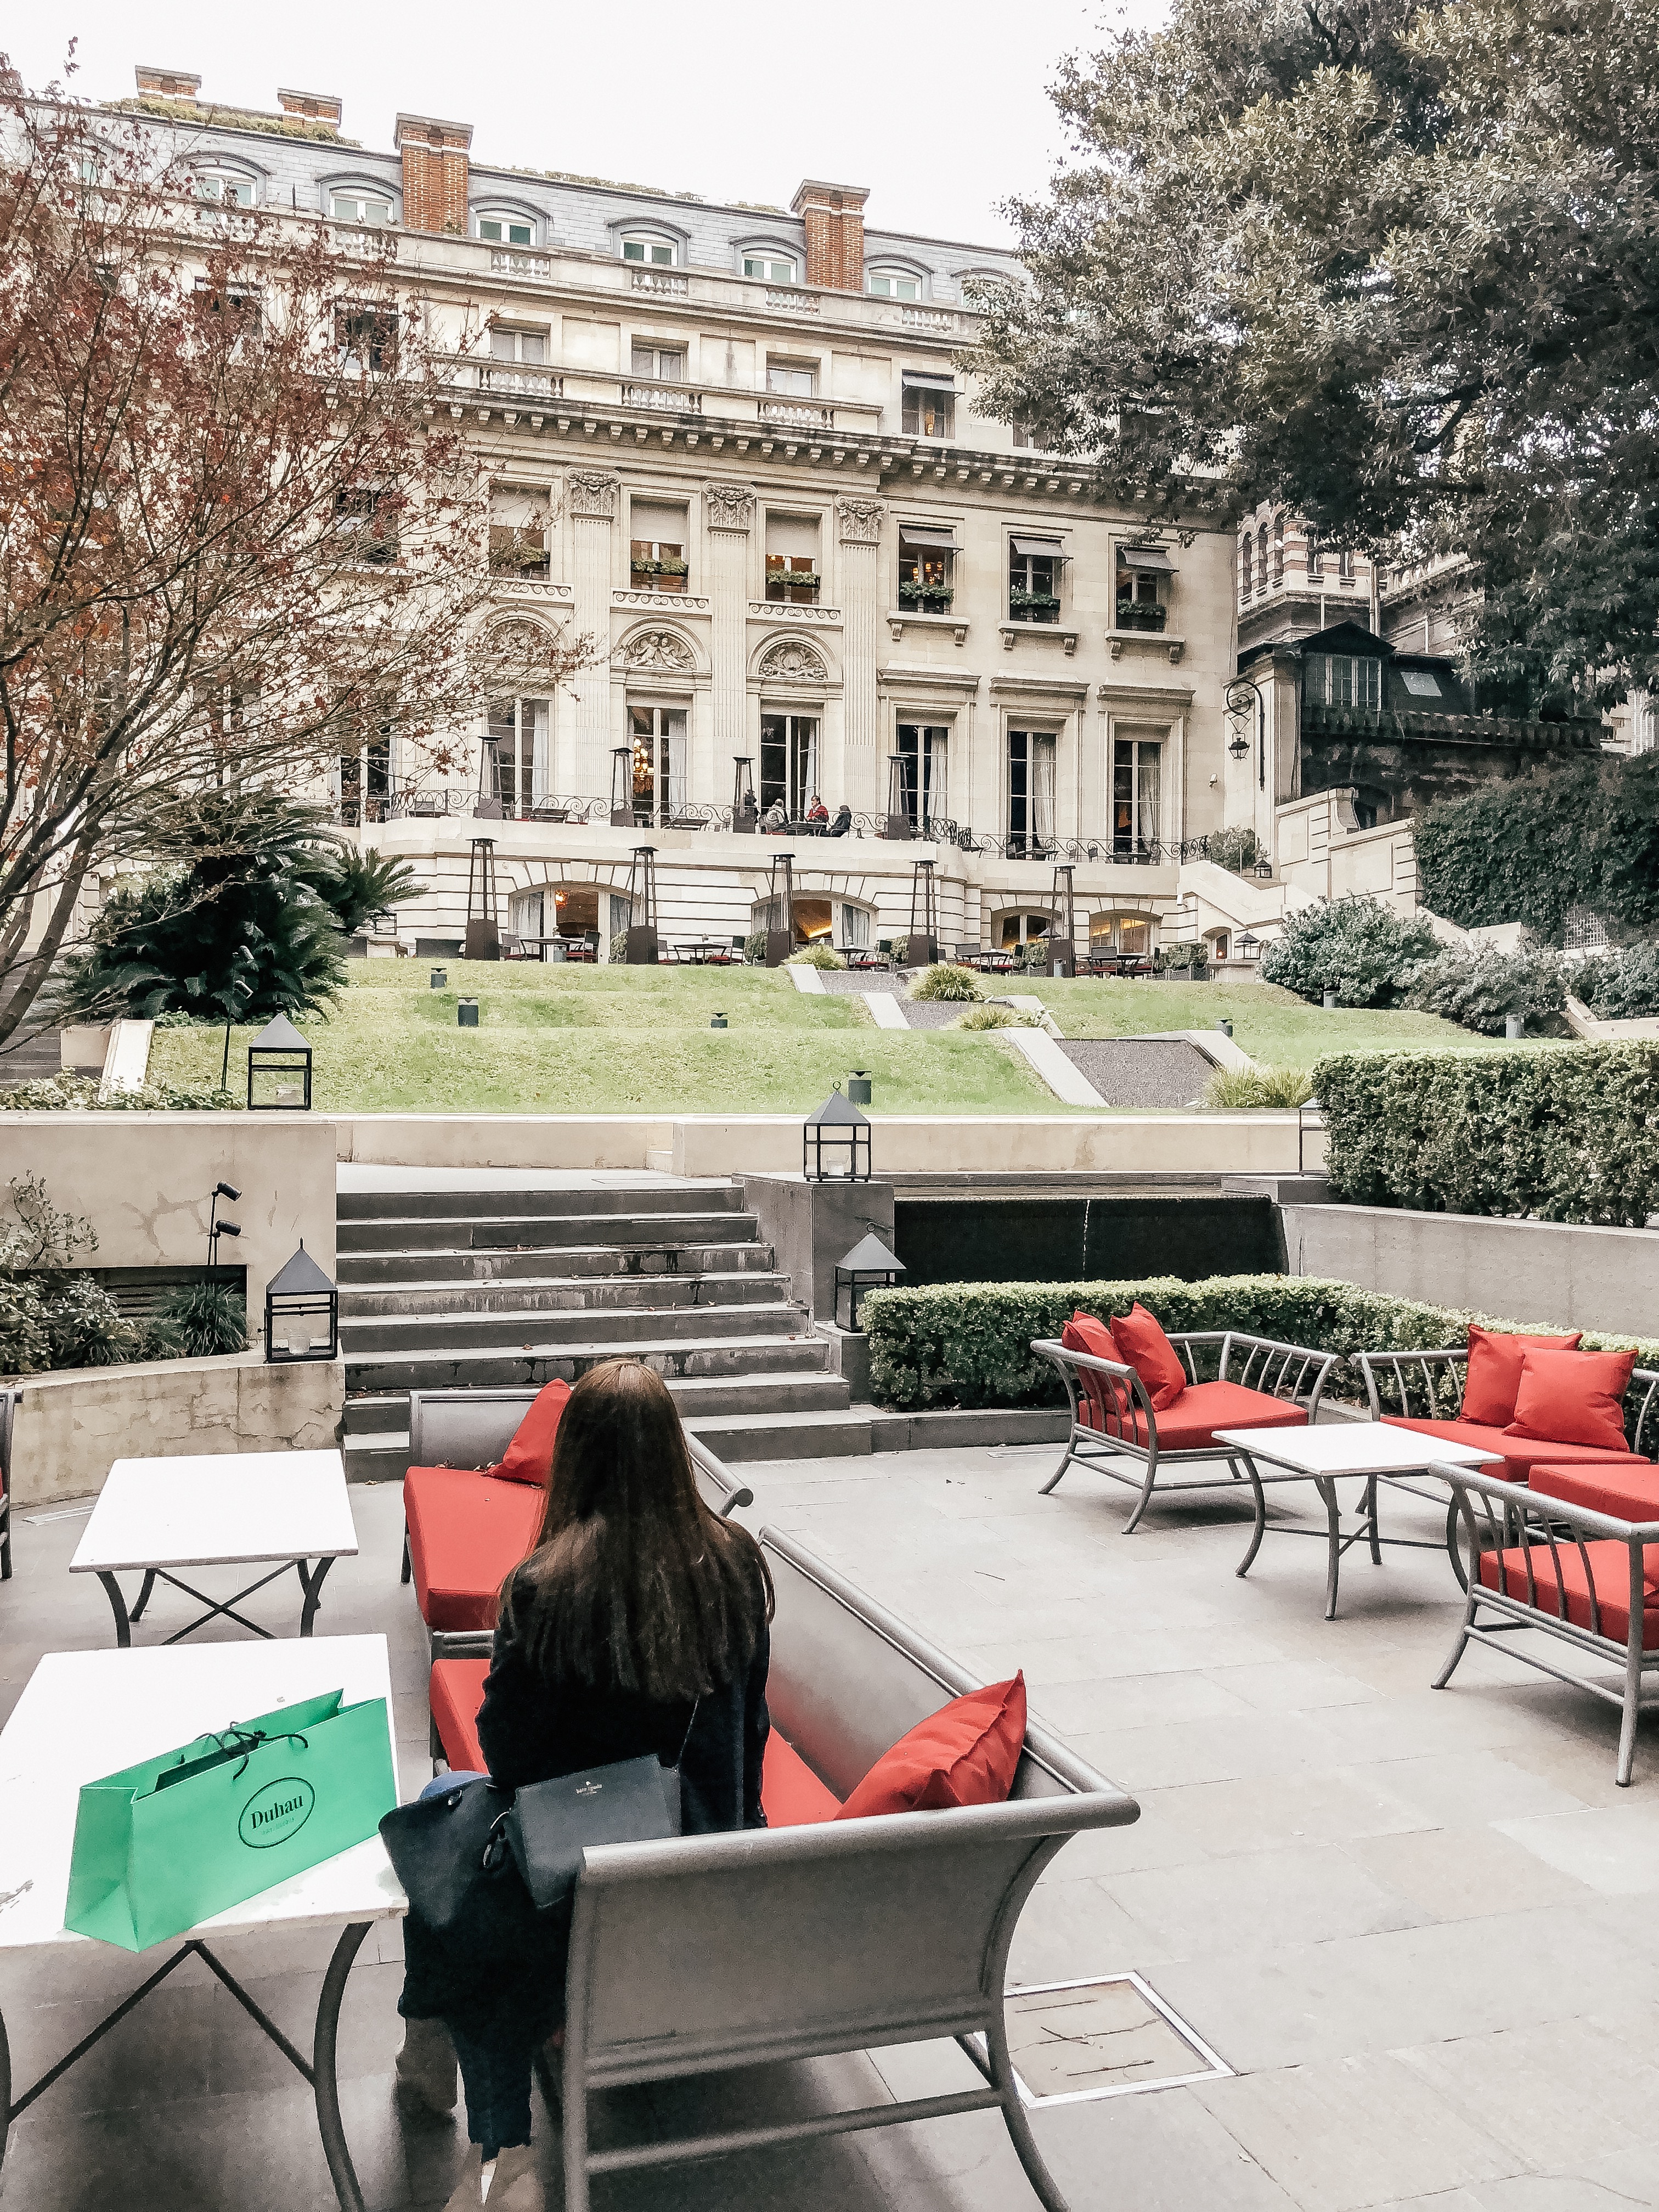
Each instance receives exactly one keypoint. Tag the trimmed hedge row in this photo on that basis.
(1570, 1135)
(970, 1344)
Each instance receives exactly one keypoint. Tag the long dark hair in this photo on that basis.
(632, 1582)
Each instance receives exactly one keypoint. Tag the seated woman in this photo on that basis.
(637, 1623)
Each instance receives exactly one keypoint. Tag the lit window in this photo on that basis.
(929, 406)
(507, 230)
(220, 189)
(894, 285)
(770, 270)
(1034, 565)
(359, 207)
(651, 250)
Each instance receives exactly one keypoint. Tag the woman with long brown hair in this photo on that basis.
(637, 1623)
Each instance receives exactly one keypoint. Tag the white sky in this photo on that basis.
(942, 110)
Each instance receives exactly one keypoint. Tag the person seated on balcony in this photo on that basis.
(636, 1624)
(842, 822)
(776, 820)
(817, 815)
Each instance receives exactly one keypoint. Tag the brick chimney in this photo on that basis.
(833, 218)
(174, 84)
(435, 173)
(315, 106)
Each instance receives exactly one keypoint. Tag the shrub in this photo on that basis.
(50, 1317)
(1356, 947)
(1479, 990)
(996, 1017)
(753, 948)
(942, 981)
(1619, 986)
(1570, 1133)
(970, 1344)
(619, 945)
(815, 956)
(1236, 849)
(202, 1321)
(1195, 956)
(56, 1094)
(1034, 956)
(1258, 1086)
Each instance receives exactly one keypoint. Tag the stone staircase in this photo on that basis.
(444, 1289)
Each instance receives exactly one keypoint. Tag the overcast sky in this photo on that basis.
(941, 109)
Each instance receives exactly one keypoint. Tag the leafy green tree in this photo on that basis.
(1356, 947)
(357, 885)
(1389, 262)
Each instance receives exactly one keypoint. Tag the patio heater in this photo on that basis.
(898, 814)
(276, 1058)
(921, 947)
(483, 934)
(622, 787)
(868, 1267)
(1062, 922)
(836, 1142)
(780, 902)
(486, 807)
(297, 1299)
(642, 907)
(745, 814)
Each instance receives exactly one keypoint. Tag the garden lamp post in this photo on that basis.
(868, 1267)
(836, 1142)
(1246, 710)
(297, 1297)
(275, 1057)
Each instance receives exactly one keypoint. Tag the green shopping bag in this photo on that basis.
(175, 1840)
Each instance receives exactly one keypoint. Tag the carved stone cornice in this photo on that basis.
(593, 494)
(776, 611)
(859, 520)
(728, 506)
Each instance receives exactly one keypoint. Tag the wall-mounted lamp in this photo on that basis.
(216, 1229)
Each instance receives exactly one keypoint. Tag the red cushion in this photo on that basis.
(1624, 1489)
(791, 1796)
(1574, 1396)
(466, 1532)
(457, 1691)
(1518, 1455)
(1083, 1333)
(963, 1754)
(529, 1457)
(1494, 1371)
(1609, 1563)
(1204, 1407)
(1142, 1345)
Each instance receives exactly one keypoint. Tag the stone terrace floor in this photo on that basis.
(1412, 1923)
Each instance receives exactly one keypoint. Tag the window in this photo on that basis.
(1338, 680)
(366, 338)
(1261, 558)
(771, 267)
(1345, 567)
(1315, 556)
(1135, 765)
(516, 770)
(656, 549)
(926, 560)
(220, 188)
(1030, 793)
(1278, 551)
(1016, 931)
(792, 559)
(659, 736)
(516, 362)
(240, 314)
(365, 771)
(1421, 682)
(797, 380)
(855, 928)
(1246, 586)
(929, 406)
(507, 229)
(517, 532)
(1144, 573)
(359, 207)
(369, 519)
(894, 285)
(1034, 565)
(1024, 435)
(662, 364)
(922, 775)
(788, 763)
(653, 251)
(1130, 934)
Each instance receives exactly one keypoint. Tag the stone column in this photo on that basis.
(728, 511)
(592, 495)
(860, 522)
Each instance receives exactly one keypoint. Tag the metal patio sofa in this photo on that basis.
(708, 1952)
(1259, 1383)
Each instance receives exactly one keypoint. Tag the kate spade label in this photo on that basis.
(278, 1811)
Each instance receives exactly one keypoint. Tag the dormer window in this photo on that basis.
(894, 285)
(507, 229)
(223, 188)
(354, 206)
(771, 268)
(1339, 679)
(655, 253)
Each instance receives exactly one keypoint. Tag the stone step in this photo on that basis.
(420, 1335)
(560, 1294)
(840, 1432)
(600, 1261)
(691, 1358)
(653, 1197)
(494, 1232)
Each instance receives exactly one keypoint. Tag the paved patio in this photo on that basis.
(1411, 1922)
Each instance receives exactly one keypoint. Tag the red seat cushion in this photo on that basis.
(1493, 1375)
(1084, 1332)
(1518, 1455)
(1577, 1396)
(466, 1533)
(1609, 1563)
(529, 1457)
(791, 1796)
(1624, 1489)
(1142, 1345)
(457, 1691)
(1204, 1407)
(963, 1754)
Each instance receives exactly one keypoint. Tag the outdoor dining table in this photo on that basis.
(1371, 1450)
(706, 951)
(216, 1509)
(86, 1713)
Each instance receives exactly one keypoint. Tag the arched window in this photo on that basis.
(894, 285)
(654, 252)
(224, 188)
(502, 227)
(351, 203)
(771, 267)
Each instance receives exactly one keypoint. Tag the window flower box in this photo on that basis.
(1141, 614)
(1033, 607)
(931, 598)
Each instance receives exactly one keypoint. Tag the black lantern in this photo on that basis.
(868, 1267)
(298, 1298)
(275, 1057)
(836, 1142)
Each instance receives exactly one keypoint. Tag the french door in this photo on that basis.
(789, 762)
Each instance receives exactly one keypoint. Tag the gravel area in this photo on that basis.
(1140, 1072)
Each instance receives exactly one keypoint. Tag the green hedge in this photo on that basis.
(970, 1344)
(1568, 1134)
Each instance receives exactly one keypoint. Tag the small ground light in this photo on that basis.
(1226, 1027)
(439, 980)
(858, 1086)
(466, 1014)
(717, 1022)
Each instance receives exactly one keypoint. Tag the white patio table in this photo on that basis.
(219, 1509)
(1370, 1450)
(83, 1713)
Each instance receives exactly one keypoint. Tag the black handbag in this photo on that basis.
(449, 1853)
(551, 1824)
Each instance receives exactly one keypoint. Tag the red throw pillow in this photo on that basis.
(1573, 1398)
(963, 1754)
(1494, 1372)
(1083, 1333)
(529, 1457)
(1142, 1345)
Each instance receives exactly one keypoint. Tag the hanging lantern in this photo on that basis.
(868, 1267)
(300, 1303)
(836, 1142)
(277, 1057)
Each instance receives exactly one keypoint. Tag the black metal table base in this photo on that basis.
(311, 1581)
(1338, 1541)
(319, 2071)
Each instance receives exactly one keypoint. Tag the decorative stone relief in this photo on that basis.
(520, 640)
(860, 520)
(793, 660)
(657, 648)
(728, 506)
(593, 494)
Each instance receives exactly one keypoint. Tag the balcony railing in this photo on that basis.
(797, 414)
(662, 282)
(786, 295)
(521, 383)
(663, 398)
